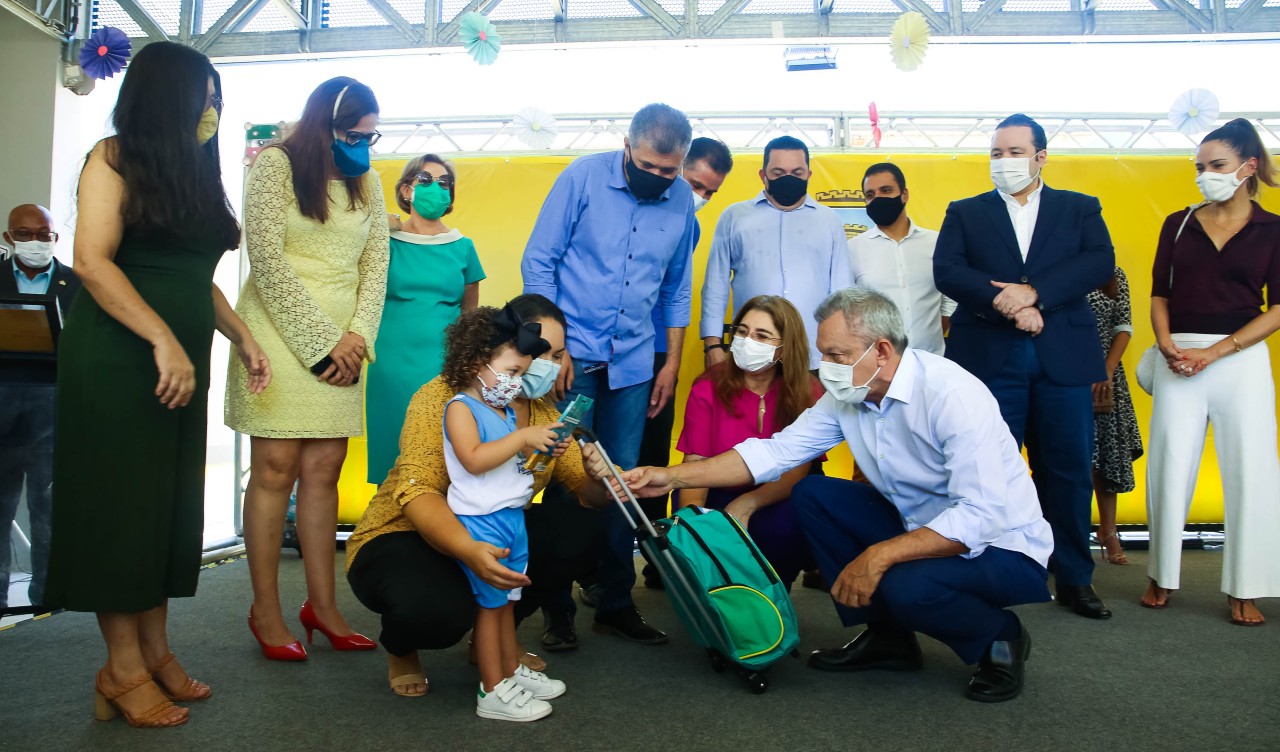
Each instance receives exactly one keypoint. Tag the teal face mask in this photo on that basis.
(430, 201)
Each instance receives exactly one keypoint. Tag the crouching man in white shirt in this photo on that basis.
(948, 534)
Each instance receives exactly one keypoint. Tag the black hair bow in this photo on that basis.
(527, 335)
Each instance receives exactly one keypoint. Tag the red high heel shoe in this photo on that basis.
(291, 652)
(353, 641)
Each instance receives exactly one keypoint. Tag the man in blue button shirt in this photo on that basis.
(781, 242)
(26, 396)
(614, 239)
(947, 535)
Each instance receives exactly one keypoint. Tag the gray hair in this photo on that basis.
(663, 127)
(870, 315)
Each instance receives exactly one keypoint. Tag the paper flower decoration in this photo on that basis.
(480, 37)
(1194, 111)
(535, 128)
(908, 41)
(875, 124)
(104, 53)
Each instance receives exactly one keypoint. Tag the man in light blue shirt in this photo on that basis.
(614, 239)
(949, 532)
(781, 242)
(26, 397)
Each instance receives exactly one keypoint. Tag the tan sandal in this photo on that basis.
(1151, 585)
(192, 689)
(405, 680)
(1241, 622)
(1116, 558)
(106, 705)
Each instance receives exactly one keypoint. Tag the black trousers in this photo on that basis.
(424, 598)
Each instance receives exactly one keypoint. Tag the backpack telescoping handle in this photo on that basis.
(631, 508)
(709, 629)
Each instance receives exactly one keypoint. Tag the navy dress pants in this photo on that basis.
(1056, 423)
(957, 601)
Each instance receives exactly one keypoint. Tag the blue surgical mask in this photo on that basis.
(352, 160)
(540, 377)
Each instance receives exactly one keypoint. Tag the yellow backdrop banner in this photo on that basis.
(498, 199)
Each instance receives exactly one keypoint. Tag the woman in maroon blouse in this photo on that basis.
(1206, 308)
(759, 391)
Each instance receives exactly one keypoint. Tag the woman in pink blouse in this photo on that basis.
(761, 390)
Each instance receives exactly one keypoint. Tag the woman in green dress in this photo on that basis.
(133, 378)
(434, 277)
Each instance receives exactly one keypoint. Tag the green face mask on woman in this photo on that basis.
(430, 201)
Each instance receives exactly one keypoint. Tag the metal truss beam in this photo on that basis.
(225, 38)
(820, 130)
(141, 17)
(44, 22)
(658, 13)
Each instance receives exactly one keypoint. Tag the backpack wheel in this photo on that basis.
(718, 663)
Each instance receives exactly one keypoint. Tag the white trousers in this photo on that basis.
(1237, 396)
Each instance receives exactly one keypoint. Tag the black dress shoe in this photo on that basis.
(812, 579)
(1000, 670)
(587, 594)
(652, 579)
(628, 624)
(1084, 601)
(871, 651)
(559, 634)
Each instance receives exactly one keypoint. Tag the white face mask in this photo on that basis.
(698, 202)
(1219, 186)
(752, 356)
(1011, 174)
(34, 253)
(838, 380)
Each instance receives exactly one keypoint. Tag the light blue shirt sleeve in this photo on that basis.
(715, 287)
(976, 481)
(675, 296)
(814, 433)
(841, 273)
(550, 237)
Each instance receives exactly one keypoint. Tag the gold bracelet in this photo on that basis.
(1238, 347)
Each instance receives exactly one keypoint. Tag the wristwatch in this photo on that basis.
(717, 346)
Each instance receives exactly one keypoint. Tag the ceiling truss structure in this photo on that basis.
(821, 131)
(265, 28)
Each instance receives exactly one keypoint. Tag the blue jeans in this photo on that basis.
(618, 418)
(1056, 423)
(26, 453)
(959, 602)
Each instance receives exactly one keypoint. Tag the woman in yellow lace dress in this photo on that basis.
(316, 232)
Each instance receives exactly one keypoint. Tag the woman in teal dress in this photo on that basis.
(434, 276)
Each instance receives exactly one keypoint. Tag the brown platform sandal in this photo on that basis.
(1155, 604)
(192, 689)
(105, 707)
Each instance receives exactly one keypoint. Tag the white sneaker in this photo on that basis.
(542, 686)
(510, 701)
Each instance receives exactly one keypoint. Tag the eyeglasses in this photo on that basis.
(26, 236)
(758, 336)
(426, 178)
(355, 137)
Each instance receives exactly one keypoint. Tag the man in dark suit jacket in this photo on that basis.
(1020, 261)
(26, 395)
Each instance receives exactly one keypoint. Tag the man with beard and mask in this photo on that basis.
(896, 258)
(945, 536)
(1020, 262)
(781, 242)
(614, 239)
(26, 396)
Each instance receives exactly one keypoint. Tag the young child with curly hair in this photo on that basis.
(487, 352)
